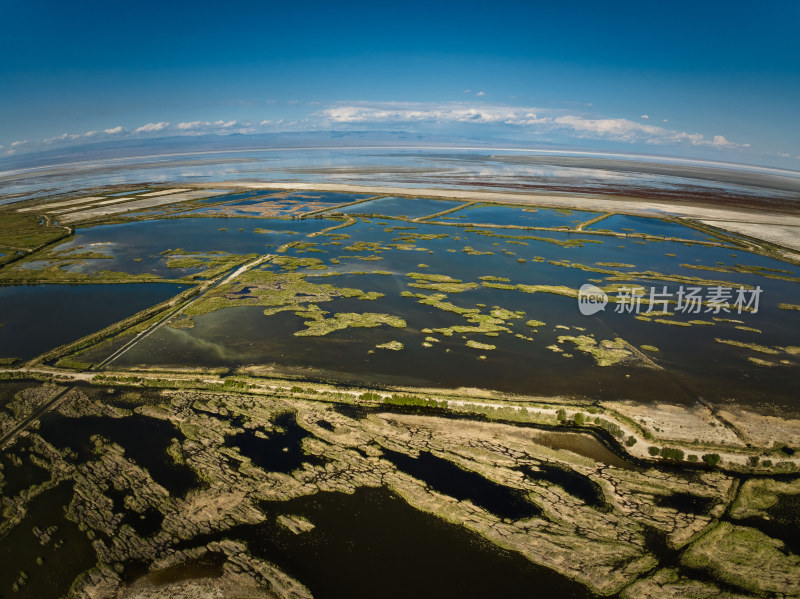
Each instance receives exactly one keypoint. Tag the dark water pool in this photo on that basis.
(37, 318)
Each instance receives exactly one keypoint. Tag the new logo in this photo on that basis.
(591, 299)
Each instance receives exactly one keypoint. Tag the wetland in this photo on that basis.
(316, 392)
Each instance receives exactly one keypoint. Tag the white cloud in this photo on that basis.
(534, 120)
(645, 116)
(665, 121)
(111, 131)
(720, 140)
(481, 94)
(617, 129)
(14, 144)
(225, 124)
(151, 127)
(191, 125)
(62, 137)
(443, 113)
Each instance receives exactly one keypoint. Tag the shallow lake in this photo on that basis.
(137, 247)
(243, 335)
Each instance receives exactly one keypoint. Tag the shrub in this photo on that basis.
(692, 458)
(712, 459)
(631, 441)
(579, 419)
(767, 463)
(612, 428)
(653, 450)
(561, 415)
(671, 453)
(753, 460)
(786, 467)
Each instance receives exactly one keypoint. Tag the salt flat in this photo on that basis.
(46, 207)
(140, 204)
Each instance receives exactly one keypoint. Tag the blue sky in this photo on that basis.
(714, 80)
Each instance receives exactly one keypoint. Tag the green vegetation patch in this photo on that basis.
(26, 230)
(471, 251)
(560, 242)
(365, 246)
(392, 345)
(437, 301)
(555, 289)
(479, 323)
(605, 353)
(492, 285)
(318, 325)
(615, 264)
(434, 278)
(181, 322)
(444, 287)
(56, 274)
(758, 495)
(479, 345)
(504, 314)
(760, 362)
(747, 558)
(277, 292)
(292, 263)
(753, 346)
(676, 323)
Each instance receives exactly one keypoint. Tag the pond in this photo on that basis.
(37, 318)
